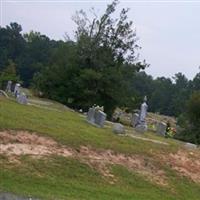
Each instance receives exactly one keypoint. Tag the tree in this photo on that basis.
(191, 120)
(107, 46)
(195, 85)
(100, 66)
(9, 73)
(181, 94)
(12, 44)
(39, 50)
(161, 98)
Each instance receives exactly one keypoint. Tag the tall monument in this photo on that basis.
(141, 124)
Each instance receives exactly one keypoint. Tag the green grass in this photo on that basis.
(58, 178)
(70, 129)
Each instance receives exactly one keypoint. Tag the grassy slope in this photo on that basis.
(61, 178)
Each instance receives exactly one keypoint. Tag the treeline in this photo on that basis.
(99, 66)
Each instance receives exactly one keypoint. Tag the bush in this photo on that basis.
(190, 121)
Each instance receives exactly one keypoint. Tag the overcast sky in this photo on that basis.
(168, 31)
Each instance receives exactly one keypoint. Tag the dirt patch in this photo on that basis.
(24, 143)
(13, 144)
(139, 164)
(186, 163)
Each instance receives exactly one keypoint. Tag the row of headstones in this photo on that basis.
(16, 91)
(160, 127)
(96, 116)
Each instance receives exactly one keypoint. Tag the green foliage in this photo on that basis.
(9, 73)
(94, 68)
(190, 120)
(195, 84)
(12, 45)
(194, 108)
(29, 52)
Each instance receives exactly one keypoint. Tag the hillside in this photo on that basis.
(49, 152)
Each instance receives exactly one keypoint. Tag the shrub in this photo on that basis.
(190, 120)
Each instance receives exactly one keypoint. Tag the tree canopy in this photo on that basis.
(100, 65)
(94, 68)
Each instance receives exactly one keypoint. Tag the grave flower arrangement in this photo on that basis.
(171, 131)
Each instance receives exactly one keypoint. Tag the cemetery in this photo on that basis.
(97, 117)
(32, 144)
(102, 104)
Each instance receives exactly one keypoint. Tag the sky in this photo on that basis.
(168, 31)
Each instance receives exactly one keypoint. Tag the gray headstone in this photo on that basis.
(96, 110)
(190, 145)
(17, 89)
(135, 119)
(161, 128)
(118, 128)
(141, 128)
(141, 125)
(96, 117)
(8, 87)
(22, 98)
(90, 115)
(143, 112)
(100, 118)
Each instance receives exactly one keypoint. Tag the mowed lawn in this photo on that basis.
(60, 178)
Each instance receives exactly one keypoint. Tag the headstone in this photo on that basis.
(141, 128)
(96, 117)
(143, 112)
(141, 125)
(17, 89)
(161, 128)
(118, 128)
(90, 115)
(135, 119)
(100, 118)
(190, 146)
(8, 87)
(22, 98)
